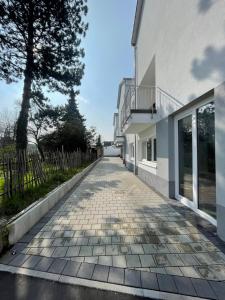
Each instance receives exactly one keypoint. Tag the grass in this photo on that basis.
(10, 207)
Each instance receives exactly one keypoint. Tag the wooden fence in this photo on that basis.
(27, 170)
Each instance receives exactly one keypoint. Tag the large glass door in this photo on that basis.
(195, 159)
(185, 157)
(206, 158)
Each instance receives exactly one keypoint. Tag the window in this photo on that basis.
(131, 150)
(155, 149)
(149, 150)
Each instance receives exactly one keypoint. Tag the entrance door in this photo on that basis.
(195, 159)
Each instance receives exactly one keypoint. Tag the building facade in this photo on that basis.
(170, 122)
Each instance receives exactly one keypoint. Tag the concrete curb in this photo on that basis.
(152, 294)
(24, 221)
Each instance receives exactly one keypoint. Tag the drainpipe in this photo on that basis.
(135, 82)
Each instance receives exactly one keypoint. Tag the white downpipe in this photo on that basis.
(136, 81)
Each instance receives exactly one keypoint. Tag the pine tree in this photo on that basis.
(40, 43)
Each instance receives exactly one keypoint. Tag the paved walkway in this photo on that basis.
(114, 220)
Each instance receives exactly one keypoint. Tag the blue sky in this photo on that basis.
(109, 58)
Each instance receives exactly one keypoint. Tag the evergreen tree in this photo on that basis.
(40, 42)
(73, 130)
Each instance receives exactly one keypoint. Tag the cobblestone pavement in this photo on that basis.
(113, 219)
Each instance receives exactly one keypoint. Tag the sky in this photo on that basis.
(109, 57)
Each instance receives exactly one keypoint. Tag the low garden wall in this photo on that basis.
(16, 227)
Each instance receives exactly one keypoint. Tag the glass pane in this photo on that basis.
(206, 159)
(155, 150)
(144, 150)
(149, 150)
(185, 157)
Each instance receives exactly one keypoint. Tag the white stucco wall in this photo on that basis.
(187, 39)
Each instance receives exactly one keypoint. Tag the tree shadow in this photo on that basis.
(212, 66)
(205, 5)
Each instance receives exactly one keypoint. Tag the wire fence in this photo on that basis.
(21, 171)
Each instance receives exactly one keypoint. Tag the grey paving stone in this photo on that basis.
(60, 252)
(86, 270)
(73, 251)
(57, 266)
(136, 249)
(133, 261)
(116, 275)
(218, 288)
(19, 260)
(149, 281)
(132, 278)
(184, 286)
(7, 257)
(147, 260)
(31, 262)
(44, 264)
(112, 250)
(99, 250)
(71, 268)
(119, 261)
(203, 288)
(100, 273)
(91, 259)
(47, 252)
(166, 283)
(86, 251)
(105, 260)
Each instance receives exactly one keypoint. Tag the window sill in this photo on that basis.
(152, 164)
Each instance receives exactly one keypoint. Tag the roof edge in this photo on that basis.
(137, 21)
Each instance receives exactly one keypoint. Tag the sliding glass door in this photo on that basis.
(185, 157)
(195, 159)
(206, 159)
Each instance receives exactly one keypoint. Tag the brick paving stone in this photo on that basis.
(100, 273)
(71, 268)
(105, 260)
(203, 288)
(86, 251)
(136, 249)
(19, 260)
(133, 261)
(44, 264)
(60, 252)
(116, 275)
(86, 270)
(218, 288)
(57, 266)
(73, 251)
(113, 209)
(99, 250)
(147, 260)
(119, 261)
(132, 278)
(112, 250)
(166, 283)
(184, 286)
(149, 281)
(31, 262)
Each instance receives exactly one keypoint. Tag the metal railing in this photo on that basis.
(152, 99)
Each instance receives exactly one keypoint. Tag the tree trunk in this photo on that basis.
(22, 122)
(40, 151)
(21, 130)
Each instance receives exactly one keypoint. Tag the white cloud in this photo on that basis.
(82, 99)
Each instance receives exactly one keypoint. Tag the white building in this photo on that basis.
(171, 117)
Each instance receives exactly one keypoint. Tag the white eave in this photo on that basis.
(137, 21)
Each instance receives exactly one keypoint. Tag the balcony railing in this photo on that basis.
(147, 99)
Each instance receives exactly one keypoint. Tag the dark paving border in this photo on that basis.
(125, 277)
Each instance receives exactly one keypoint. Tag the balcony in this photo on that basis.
(144, 106)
